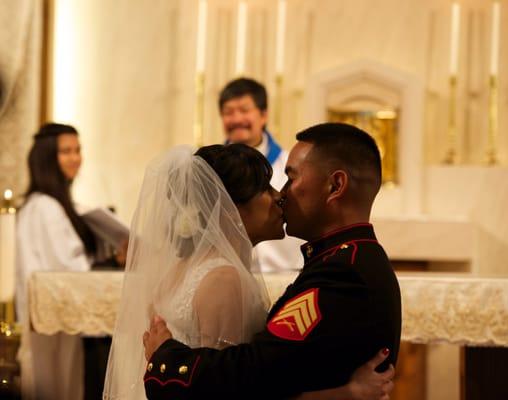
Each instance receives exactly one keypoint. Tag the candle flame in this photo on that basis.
(8, 194)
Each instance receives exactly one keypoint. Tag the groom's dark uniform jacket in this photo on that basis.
(341, 310)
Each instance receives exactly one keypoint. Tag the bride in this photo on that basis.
(190, 260)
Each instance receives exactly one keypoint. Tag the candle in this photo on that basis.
(7, 249)
(8, 195)
(454, 39)
(241, 31)
(281, 31)
(494, 43)
(201, 38)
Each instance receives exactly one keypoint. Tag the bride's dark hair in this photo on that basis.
(244, 171)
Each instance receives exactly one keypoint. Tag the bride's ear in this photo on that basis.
(338, 183)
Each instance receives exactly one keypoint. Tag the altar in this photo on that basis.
(458, 309)
(437, 307)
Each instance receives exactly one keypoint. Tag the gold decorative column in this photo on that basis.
(7, 257)
(491, 155)
(451, 152)
(9, 330)
(277, 115)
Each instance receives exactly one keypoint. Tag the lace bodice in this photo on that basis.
(180, 317)
(183, 320)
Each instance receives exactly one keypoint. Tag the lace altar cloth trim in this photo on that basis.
(459, 310)
(74, 302)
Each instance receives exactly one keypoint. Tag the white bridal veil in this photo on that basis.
(184, 222)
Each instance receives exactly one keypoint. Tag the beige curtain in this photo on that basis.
(20, 55)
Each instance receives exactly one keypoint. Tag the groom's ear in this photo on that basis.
(338, 183)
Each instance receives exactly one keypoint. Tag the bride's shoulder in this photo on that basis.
(217, 263)
(215, 270)
(219, 271)
(222, 273)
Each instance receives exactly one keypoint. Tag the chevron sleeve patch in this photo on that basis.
(298, 317)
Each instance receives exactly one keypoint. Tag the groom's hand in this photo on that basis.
(155, 336)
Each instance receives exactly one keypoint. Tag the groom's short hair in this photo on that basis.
(346, 147)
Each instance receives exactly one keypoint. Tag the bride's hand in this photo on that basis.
(367, 384)
(155, 336)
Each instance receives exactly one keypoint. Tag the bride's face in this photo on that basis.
(262, 216)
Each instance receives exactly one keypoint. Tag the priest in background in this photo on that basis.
(243, 107)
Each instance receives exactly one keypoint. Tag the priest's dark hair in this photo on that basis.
(242, 87)
(47, 177)
(243, 170)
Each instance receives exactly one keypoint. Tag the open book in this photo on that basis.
(106, 226)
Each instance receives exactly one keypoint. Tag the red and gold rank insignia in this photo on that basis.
(298, 317)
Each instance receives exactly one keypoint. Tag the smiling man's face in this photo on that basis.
(243, 121)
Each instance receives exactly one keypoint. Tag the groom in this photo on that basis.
(342, 307)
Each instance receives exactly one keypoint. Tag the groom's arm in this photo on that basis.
(315, 340)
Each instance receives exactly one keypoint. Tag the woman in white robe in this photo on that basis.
(190, 260)
(51, 237)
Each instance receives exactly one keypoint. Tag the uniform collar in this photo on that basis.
(336, 237)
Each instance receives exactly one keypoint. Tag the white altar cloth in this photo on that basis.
(457, 309)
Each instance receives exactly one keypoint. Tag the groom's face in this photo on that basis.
(305, 193)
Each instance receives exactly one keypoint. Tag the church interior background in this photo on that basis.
(428, 78)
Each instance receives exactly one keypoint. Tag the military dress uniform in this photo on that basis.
(340, 311)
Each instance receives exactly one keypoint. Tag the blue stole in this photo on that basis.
(274, 149)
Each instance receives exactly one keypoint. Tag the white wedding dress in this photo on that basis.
(189, 261)
(205, 311)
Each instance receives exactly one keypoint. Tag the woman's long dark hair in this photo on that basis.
(47, 177)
